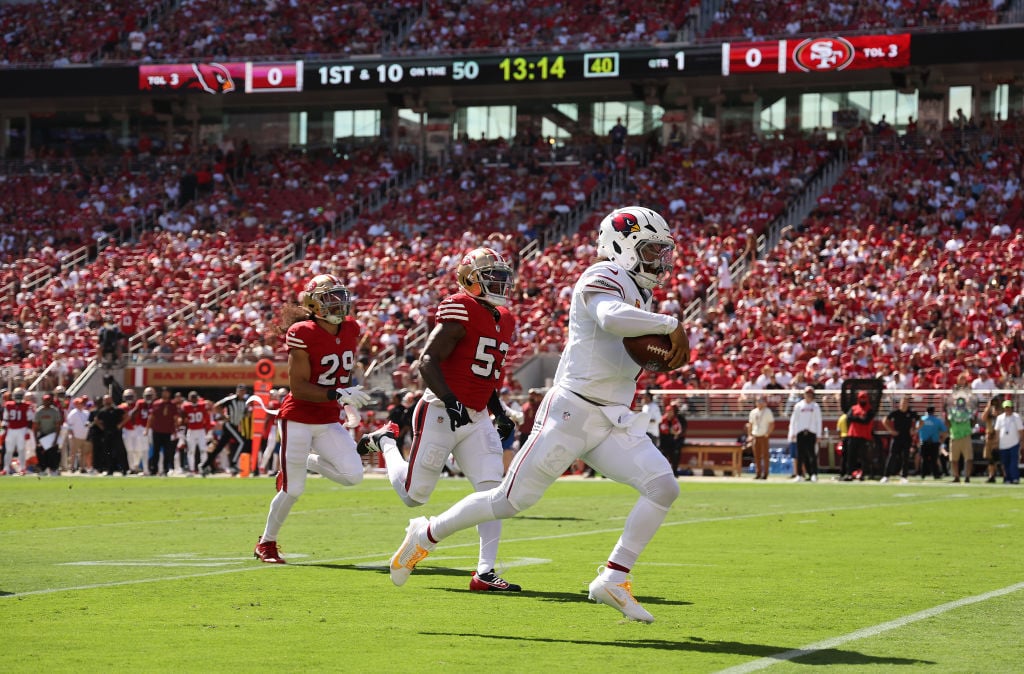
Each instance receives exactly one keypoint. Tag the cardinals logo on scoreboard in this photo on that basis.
(213, 78)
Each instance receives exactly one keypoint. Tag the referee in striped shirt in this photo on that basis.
(237, 430)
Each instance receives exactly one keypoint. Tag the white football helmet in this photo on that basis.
(327, 298)
(128, 395)
(484, 275)
(18, 394)
(638, 240)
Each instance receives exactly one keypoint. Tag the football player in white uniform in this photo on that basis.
(462, 366)
(586, 414)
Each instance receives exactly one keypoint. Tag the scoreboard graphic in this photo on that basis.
(830, 55)
(222, 78)
(818, 55)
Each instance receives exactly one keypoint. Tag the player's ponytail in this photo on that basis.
(291, 314)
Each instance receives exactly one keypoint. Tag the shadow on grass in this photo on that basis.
(553, 519)
(566, 597)
(829, 656)
(428, 571)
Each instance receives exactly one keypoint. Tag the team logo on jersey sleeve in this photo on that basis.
(625, 223)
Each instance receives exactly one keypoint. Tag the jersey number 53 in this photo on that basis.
(488, 355)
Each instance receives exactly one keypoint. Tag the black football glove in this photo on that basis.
(457, 412)
(506, 427)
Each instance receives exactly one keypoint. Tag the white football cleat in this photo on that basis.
(619, 596)
(413, 550)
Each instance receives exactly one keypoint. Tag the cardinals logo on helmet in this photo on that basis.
(625, 223)
(213, 78)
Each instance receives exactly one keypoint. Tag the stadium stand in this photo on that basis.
(904, 270)
(46, 32)
(398, 267)
(749, 19)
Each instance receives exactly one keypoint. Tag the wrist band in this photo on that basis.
(332, 394)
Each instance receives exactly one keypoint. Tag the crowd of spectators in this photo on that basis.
(450, 26)
(398, 261)
(68, 32)
(229, 29)
(50, 32)
(72, 32)
(908, 269)
(187, 249)
(750, 19)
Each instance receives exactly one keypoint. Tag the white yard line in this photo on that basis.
(867, 632)
(378, 555)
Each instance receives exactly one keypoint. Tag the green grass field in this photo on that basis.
(154, 575)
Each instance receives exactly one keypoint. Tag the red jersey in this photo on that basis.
(862, 424)
(473, 370)
(139, 415)
(164, 416)
(331, 359)
(197, 417)
(17, 415)
(126, 323)
(129, 419)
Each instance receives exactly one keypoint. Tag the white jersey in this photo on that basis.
(606, 306)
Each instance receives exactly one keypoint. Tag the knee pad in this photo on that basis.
(351, 475)
(486, 485)
(410, 501)
(294, 488)
(420, 495)
(287, 498)
(501, 507)
(662, 490)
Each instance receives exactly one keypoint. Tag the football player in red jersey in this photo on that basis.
(132, 433)
(321, 354)
(462, 367)
(198, 423)
(17, 423)
(135, 432)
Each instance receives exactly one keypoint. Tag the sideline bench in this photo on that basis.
(711, 455)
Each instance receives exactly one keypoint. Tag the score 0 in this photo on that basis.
(754, 57)
(273, 77)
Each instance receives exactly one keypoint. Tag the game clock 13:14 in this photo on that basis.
(524, 69)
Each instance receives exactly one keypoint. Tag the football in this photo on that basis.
(649, 351)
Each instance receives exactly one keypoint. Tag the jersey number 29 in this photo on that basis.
(331, 364)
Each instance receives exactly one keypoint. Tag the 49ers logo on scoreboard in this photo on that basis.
(823, 54)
